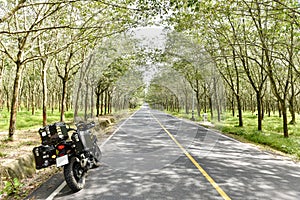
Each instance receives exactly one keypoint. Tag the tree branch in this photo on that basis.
(13, 11)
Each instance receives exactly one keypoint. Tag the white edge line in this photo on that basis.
(219, 133)
(208, 129)
(250, 145)
(117, 129)
(53, 194)
(59, 188)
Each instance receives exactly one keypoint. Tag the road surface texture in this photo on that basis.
(153, 155)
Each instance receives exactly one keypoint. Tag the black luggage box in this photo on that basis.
(53, 133)
(44, 156)
(84, 140)
(87, 140)
(83, 137)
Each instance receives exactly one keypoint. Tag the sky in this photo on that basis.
(151, 37)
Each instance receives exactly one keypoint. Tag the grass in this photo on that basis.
(25, 120)
(271, 135)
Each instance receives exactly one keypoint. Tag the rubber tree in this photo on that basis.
(19, 30)
(279, 75)
(22, 22)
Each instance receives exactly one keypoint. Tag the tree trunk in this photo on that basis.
(92, 102)
(284, 119)
(292, 103)
(105, 102)
(259, 111)
(77, 100)
(279, 109)
(262, 109)
(32, 100)
(269, 109)
(186, 103)
(292, 66)
(232, 106)
(240, 111)
(45, 96)
(109, 102)
(251, 104)
(198, 102)
(219, 111)
(86, 101)
(1, 77)
(211, 108)
(63, 99)
(14, 101)
(27, 103)
(52, 103)
(205, 98)
(97, 104)
(101, 104)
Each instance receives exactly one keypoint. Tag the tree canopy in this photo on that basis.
(78, 54)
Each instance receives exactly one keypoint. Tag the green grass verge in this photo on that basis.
(271, 135)
(25, 120)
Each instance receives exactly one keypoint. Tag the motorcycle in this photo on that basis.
(76, 154)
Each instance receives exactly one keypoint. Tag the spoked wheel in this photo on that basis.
(74, 175)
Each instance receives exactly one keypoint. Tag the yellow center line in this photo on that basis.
(203, 172)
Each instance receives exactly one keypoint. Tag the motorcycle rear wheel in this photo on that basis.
(74, 175)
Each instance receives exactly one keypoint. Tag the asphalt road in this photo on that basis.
(153, 155)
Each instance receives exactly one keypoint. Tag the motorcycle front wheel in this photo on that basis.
(97, 157)
(74, 175)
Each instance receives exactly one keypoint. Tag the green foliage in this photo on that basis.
(239, 36)
(12, 187)
(2, 154)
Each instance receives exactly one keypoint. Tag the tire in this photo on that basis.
(74, 175)
(97, 158)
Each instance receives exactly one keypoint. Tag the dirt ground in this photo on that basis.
(22, 144)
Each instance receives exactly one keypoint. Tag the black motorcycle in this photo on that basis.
(76, 154)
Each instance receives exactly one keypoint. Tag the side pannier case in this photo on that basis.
(45, 135)
(84, 138)
(44, 156)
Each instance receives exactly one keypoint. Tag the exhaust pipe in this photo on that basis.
(83, 161)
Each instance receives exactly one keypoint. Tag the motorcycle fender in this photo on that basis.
(61, 161)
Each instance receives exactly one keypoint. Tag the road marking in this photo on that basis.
(57, 191)
(59, 188)
(203, 172)
(119, 127)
